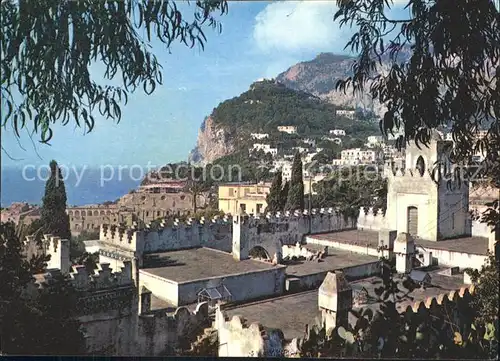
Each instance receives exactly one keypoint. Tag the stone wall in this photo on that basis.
(108, 309)
(244, 287)
(274, 231)
(165, 289)
(159, 332)
(270, 233)
(132, 241)
(343, 246)
(236, 339)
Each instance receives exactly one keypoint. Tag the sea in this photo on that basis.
(83, 185)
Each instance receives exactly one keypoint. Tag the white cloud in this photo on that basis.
(295, 26)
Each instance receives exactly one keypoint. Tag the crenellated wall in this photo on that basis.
(133, 241)
(159, 332)
(269, 232)
(275, 230)
(370, 219)
(108, 310)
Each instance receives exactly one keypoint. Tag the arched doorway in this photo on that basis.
(259, 252)
(412, 221)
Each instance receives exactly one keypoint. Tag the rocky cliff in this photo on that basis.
(214, 141)
(320, 75)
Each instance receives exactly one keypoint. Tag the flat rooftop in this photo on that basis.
(476, 245)
(336, 259)
(302, 308)
(199, 263)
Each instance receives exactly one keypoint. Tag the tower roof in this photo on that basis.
(334, 283)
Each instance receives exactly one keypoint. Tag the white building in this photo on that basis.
(345, 113)
(266, 148)
(290, 129)
(309, 142)
(259, 135)
(334, 140)
(338, 132)
(357, 156)
(375, 139)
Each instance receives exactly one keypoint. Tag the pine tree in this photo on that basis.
(54, 219)
(273, 199)
(284, 195)
(295, 198)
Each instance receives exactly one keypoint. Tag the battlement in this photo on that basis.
(463, 294)
(181, 317)
(285, 217)
(102, 278)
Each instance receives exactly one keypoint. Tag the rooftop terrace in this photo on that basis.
(302, 308)
(476, 245)
(199, 263)
(336, 259)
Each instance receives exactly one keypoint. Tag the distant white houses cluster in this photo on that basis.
(345, 113)
(259, 136)
(338, 132)
(266, 148)
(290, 129)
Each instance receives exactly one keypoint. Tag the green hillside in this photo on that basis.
(269, 104)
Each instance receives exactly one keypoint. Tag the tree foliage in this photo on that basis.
(53, 219)
(386, 333)
(44, 325)
(273, 199)
(295, 199)
(452, 78)
(48, 48)
(350, 188)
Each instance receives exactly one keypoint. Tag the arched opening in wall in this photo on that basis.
(102, 213)
(96, 213)
(420, 166)
(259, 252)
(108, 213)
(412, 221)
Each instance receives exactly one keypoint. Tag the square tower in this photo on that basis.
(420, 199)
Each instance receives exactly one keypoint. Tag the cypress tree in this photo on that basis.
(273, 199)
(284, 195)
(53, 213)
(295, 198)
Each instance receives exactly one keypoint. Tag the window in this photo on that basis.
(230, 192)
(453, 220)
(158, 213)
(243, 207)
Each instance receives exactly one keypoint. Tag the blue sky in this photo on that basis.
(259, 39)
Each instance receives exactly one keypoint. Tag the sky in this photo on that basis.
(259, 39)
